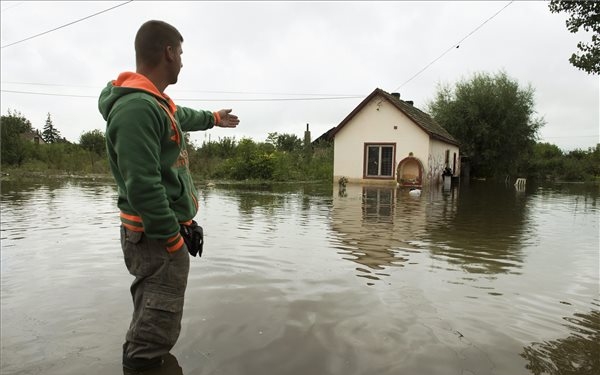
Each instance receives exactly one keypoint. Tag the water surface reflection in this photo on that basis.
(475, 280)
(576, 354)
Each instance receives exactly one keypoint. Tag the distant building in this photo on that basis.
(34, 136)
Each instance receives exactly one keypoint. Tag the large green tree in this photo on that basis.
(14, 128)
(50, 133)
(494, 120)
(586, 15)
(93, 141)
(284, 142)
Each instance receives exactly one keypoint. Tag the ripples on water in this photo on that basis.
(308, 279)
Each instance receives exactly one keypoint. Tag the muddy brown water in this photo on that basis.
(307, 279)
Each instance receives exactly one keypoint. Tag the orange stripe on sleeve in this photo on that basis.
(137, 219)
(178, 245)
(133, 228)
(217, 118)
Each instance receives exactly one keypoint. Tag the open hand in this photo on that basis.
(228, 120)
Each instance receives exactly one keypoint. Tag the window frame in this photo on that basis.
(380, 145)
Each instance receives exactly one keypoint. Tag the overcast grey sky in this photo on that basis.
(236, 51)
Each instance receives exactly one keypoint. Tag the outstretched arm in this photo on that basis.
(192, 120)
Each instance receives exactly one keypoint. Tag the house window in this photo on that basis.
(379, 160)
(447, 161)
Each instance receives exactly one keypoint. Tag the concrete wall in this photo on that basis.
(436, 161)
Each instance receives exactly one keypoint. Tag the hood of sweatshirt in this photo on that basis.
(127, 83)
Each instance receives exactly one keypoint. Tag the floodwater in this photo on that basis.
(481, 279)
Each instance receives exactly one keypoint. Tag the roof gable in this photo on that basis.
(420, 118)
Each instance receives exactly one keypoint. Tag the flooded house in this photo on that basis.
(389, 140)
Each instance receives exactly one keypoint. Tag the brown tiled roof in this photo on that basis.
(422, 119)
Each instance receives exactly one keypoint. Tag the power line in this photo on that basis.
(47, 94)
(46, 84)
(11, 6)
(455, 45)
(196, 91)
(65, 25)
(197, 99)
(269, 99)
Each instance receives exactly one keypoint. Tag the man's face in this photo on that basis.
(176, 63)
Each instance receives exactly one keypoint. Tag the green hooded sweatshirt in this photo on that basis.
(148, 157)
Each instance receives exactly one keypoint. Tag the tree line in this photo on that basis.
(282, 157)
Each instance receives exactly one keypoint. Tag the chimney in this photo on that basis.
(396, 95)
(307, 143)
(409, 102)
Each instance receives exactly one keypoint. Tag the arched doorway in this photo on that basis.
(410, 172)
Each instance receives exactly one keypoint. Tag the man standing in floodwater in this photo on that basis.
(156, 195)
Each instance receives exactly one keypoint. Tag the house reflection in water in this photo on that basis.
(378, 225)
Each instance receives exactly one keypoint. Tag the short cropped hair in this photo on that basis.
(151, 40)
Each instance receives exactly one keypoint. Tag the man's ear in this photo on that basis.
(170, 53)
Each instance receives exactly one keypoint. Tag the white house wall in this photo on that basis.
(375, 124)
(436, 162)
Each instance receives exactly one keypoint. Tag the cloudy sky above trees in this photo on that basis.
(281, 65)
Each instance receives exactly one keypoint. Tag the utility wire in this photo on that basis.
(11, 6)
(48, 94)
(455, 45)
(178, 90)
(65, 25)
(269, 99)
(198, 99)
(46, 84)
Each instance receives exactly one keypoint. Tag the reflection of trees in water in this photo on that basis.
(486, 233)
(577, 354)
(19, 191)
(276, 203)
(12, 187)
(269, 197)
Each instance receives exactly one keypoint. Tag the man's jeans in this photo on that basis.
(158, 292)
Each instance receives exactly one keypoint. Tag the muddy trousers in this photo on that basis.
(158, 293)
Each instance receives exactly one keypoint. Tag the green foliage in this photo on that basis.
(50, 133)
(19, 149)
(548, 162)
(284, 142)
(93, 141)
(250, 160)
(224, 148)
(15, 129)
(492, 118)
(586, 15)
